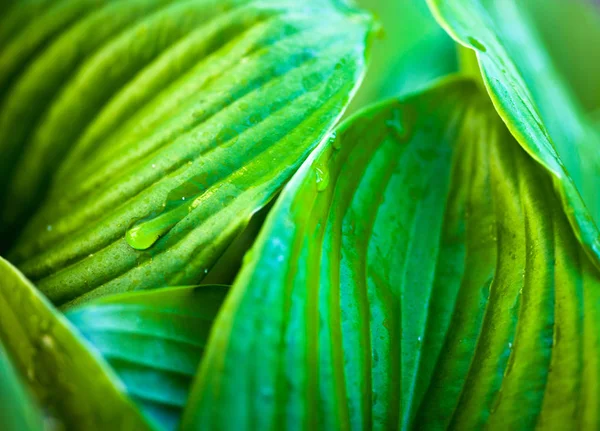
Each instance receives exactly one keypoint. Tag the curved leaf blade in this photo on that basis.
(173, 167)
(432, 281)
(19, 412)
(153, 341)
(538, 108)
(61, 368)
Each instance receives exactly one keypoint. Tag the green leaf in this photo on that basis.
(19, 412)
(539, 109)
(63, 371)
(46, 104)
(418, 271)
(153, 341)
(216, 107)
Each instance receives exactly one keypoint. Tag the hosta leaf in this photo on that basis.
(417, 271)
(538, 108)
(65, 374)
(177, 148)
(18, 413)
(47, 104)
(153, 341)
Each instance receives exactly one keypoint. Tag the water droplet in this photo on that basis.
(47, 342)
(419, 339)
(206, 270)
(322, 178)
(396, 125)
(153, 166)
(334, 141)
(49, 227)
(183, 198)
(510, 345)
(144, 235)
(476, 44)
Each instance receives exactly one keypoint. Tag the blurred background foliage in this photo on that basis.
(410, 51)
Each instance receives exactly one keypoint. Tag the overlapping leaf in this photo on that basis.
(19, 412)
(418, 271)
(67, 376)
(168, 129)
(153, 341)
(538, 108)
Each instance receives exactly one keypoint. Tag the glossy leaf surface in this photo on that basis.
(538, 107)
(418, 271)
(162, 159)
(66, 375)
(153, 341)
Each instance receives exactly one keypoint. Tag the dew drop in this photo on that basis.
(144, 235)
(476, 44)
(47, 342)
(334, 141)
(153, 166)
(322, 179)
(49, 227)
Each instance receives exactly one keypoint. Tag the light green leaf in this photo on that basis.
(153, 341)
(216, 107)
(418, 271)
(411, 51)
(538, 108)
(19, 412)
(570, 32)
(65, 374)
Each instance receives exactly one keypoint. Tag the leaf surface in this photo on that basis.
(66, 375)
(166, 156)
(538, 107)
(418, 271)
(153, 341)
(19, 412)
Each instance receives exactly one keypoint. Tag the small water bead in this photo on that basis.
(334, 141)
(49, 228)
(476, 44)
(322, 178)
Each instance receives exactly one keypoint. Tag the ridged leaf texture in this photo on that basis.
(534, 101)
(153, 341)
(68, 378)
(417, 272)
(155, 129)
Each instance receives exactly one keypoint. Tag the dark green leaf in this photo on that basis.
(153, 341)
(418, 271)
(538, 108)
(65, 374)
(215, 108)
